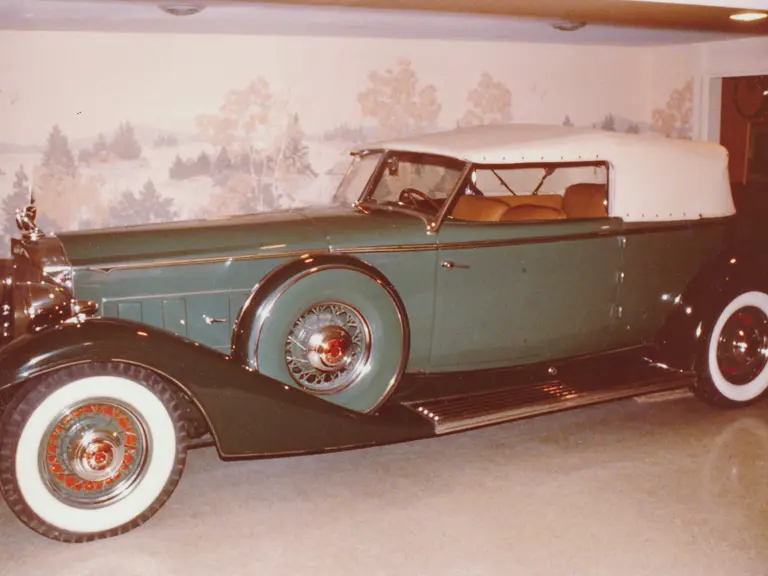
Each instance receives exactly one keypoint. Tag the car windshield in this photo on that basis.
(357, 176)
(415, 181)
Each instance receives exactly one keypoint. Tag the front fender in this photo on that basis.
(248, 413)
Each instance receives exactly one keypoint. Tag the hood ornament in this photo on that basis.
(26, 219)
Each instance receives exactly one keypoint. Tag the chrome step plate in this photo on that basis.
(451, 414)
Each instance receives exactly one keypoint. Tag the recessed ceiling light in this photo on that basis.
(749, 16)
(568, 26)
(181, 9)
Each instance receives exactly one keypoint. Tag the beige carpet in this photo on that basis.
(666, 488)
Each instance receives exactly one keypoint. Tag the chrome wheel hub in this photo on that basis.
(742, 349)
(327, 348)
(94, 454)
(97, 455)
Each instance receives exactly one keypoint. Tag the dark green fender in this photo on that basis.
(739, 267)
(248, 413)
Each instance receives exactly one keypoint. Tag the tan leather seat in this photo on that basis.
(585, 201)
(478, 209)
(523, 213)
(548, 200)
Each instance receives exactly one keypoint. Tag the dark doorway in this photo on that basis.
(744, 132)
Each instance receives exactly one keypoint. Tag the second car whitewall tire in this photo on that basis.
(730, 393)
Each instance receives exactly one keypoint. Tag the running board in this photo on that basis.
(462, 412)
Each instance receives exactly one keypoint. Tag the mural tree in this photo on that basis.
(124, 143)
(99, 150)
(244, 125)
(62, 192)
(567, 121)
(293, 169)
(143, 208)
(293, 157)
(490, 103)
(609, 123)
(223, 161)
(675, 120)
(397, 103)
(17, 199)
(242, 119)
(258, 158)
(58, 155)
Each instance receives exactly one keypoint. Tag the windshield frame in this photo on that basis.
(432, 221)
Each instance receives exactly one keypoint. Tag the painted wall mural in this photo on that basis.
(675, 119)
(123, 129)
(490, 103)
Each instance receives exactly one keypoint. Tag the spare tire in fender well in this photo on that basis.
(363, 285)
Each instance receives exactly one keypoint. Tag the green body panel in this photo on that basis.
(550, 296)
(538, 291)
(260, 234)
(178, 298)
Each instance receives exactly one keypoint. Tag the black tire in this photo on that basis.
(733, 380)
(132, 400)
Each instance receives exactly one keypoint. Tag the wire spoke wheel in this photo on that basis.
(742, 350)
(328, 348)
(92, 450)
(94, 454)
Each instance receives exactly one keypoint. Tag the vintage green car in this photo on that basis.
(474, 277)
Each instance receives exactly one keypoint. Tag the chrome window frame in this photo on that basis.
(430, 221)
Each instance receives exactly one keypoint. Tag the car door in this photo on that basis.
(521, 292)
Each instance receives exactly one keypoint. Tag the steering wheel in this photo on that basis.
(409, 193)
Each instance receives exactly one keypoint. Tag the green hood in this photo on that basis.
(284, 231)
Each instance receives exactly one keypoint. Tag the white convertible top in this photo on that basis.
(652, 178)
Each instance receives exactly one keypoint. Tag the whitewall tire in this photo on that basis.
(91, 451)
(735, 370)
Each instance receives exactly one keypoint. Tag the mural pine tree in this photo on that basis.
(18, 198)
(100, 144)
(295, 153)
(223, 161)
(124, 144)
(57, 152)
(143, 208)
(609, 123)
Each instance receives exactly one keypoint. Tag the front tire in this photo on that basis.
(733, 365)
(91, 451)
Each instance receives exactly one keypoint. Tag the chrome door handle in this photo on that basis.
(448, 265)
(209, 320)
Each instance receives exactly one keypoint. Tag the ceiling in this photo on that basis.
(671, 14)
(612, 22)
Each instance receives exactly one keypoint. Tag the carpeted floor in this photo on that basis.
(663, 488)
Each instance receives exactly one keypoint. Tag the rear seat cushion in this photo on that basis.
(525, 212)
(549, 200)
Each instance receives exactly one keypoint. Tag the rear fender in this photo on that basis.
(732, 272)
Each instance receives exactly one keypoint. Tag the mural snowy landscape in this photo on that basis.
(251, 154)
